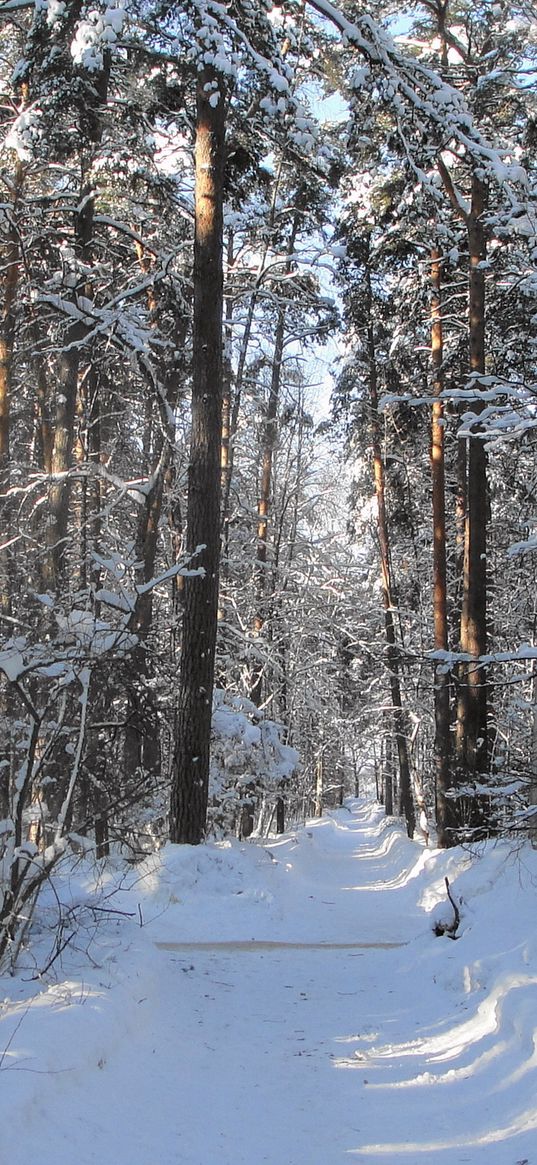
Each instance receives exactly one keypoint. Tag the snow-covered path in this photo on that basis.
(190, 1044)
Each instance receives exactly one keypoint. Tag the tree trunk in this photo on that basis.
(142, 728)
(319, 781)
(234, 410)
(227, 384)
(406, 803)
(235, 401)
(471, 738)
(442, 744)
(532, 786)
(190, 774)
(91, 129)
(270, 435)
(388, 769)
(59, 489)
(142, 737)
(11, 268)
(11, 265)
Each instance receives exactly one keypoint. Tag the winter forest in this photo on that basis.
(267, 422)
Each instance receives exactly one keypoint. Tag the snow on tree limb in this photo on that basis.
(412, 84)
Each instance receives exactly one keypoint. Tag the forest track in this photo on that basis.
(263, 945)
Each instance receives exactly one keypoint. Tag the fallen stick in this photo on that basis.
(449, 928)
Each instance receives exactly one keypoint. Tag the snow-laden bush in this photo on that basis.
(63, 778)
(250, 763)
(48, 790)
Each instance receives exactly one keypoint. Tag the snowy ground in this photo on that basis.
(212, 1028)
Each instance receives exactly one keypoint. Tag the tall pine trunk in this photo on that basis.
(442, 743)
(11, 266)
(471, 738)
(472, 735)
(142, 729)
(73, 354)
(406, 801)
(268, 449)
(190, 773)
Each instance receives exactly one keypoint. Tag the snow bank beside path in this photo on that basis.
(139, 1048)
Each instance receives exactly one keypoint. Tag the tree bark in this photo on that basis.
(142, 731)
(10, 283)
(319, 780)
(270, 436)
(59, 491)
(235, 399)
(442, 744)
(406, 802)
(190, 774)
(227, 391)
(472, 736)
(11, 265)
(90, 129)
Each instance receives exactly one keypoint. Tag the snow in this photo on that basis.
(247, 752)
(280, 1002)
(83, 629)
(95, 33)
(12, 661)
(25, 133)
(54, 9)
